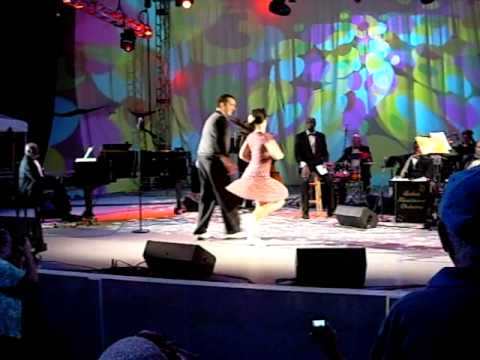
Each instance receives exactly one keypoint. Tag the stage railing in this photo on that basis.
(214, 320)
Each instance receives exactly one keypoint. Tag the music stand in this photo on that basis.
(435, 146)
(388, 162)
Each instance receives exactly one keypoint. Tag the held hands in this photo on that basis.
(231, 167)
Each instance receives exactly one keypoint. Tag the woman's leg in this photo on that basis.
(262, 210)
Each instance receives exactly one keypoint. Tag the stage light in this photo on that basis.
(278, 7)
(148, 32)
(187, 4)
(127, 40)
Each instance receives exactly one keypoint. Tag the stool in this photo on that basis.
(316, 184)
(23, 205)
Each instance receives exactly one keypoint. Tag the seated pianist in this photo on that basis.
(34, 184)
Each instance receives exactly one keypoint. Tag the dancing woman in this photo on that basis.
(259, 149)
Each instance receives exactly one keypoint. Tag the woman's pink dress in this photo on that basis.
(256, 183)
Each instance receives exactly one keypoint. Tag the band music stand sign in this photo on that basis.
(411, 200)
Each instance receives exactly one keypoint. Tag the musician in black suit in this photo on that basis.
(467, 146)
(311, 151)
(33, 183)
(358, 156)
(415, 165)
(215, 169)
(472, 160)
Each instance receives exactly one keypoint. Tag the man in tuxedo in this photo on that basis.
(311, 151)
(358, 157)
(215, 168)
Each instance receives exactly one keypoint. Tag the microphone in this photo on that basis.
(384, 165)
(385, 158)
(140, 123)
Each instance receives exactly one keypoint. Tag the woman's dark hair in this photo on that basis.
(260, 115)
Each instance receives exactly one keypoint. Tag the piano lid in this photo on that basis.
(116, 147)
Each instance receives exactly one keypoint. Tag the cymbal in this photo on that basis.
(369, 163)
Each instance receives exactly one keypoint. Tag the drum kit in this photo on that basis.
(343, 172)
(347, 182)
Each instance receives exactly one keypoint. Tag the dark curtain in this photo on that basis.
(28, 75)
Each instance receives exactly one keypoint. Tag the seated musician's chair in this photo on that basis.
(316, 197)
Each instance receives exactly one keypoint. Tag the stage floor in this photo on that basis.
(398, 255)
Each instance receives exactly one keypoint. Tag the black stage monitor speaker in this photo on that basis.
(331, 267)
(184, 261)
(356, 216)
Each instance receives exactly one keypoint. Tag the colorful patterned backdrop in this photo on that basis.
(390, 70)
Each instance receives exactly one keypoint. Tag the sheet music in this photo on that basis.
(86, 157)
(77, 160)
(441, 141)
(436, 143)
(399, 178)
(322, 170)
(88, 152)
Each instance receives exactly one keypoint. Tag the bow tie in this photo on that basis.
(311, 134)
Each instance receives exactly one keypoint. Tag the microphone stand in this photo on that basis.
(140, 230)
(380, 205)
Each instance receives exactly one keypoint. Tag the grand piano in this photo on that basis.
(118, 161)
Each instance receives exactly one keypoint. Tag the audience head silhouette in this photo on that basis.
(133, 348)
(146, 345)
(460, 215)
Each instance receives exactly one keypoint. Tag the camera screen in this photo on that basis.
(318, 323)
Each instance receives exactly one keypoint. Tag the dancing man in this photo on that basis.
(215, 169)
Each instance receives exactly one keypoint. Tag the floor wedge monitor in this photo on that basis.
(356, 216)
